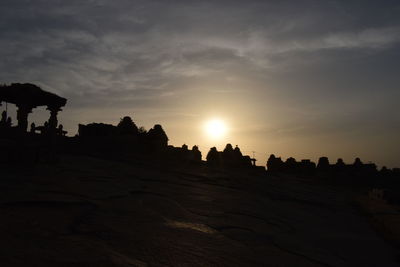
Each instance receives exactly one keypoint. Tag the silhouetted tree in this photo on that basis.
(127, 126)
(157, 137)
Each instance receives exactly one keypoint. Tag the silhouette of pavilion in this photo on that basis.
(29, 96)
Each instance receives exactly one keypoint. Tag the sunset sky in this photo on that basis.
(295, 78)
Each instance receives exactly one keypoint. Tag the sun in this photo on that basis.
(215, 128)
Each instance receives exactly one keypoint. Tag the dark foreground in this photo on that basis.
(91, 212)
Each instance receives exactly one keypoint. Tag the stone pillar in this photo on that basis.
(22, 117)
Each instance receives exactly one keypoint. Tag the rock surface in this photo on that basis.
(91, 212)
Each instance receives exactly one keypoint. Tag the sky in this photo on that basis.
(294, 78)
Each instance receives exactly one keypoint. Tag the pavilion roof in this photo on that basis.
(30, 95)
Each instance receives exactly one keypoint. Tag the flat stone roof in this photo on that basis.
(30, 95)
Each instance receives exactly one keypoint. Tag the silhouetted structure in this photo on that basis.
(237, 152)
(96, 130)
(25, 148)
(228, 155)
(357, 173)
(196, 153)
(184, 154)
(307, 166)
(274, 164)
(357, 163)
(127, 141)
(291, 164)
(213, 157)
(340, 165)
(323, 163)
(29, 96)
(228, 158)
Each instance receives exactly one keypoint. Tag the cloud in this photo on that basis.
(155, 53)
(375, 38)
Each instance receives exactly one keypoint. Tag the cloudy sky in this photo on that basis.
(295, 78)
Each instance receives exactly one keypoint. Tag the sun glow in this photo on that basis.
(215, 128)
